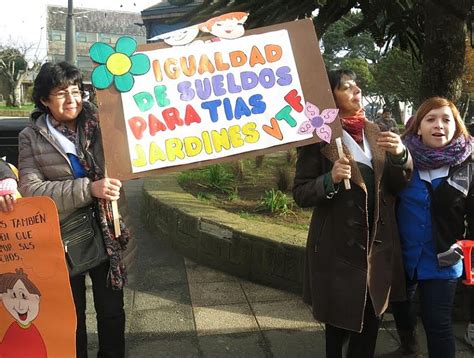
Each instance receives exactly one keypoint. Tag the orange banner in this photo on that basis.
(37, 314)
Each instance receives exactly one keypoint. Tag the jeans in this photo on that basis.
(360, 344)
(436, 299)
(108, 305)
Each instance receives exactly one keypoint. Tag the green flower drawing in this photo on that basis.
(117, 65)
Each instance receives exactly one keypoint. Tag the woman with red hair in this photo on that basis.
(432, 214)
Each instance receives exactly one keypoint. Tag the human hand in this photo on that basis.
(106, 188)
(391, 143)
(7, 202)
(341, 170)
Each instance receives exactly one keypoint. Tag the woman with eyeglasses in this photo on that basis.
(61, 156)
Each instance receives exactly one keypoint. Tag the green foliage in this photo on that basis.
(335, 41)
(193, 175)
(205, 196)
(399, 23)
(233, 195)
(215, 177)
(397, 76)
(220, 179)
(392, 75)
(365, 79)
(275, 201)
(26, 107)
(12, 62)
(14, 68)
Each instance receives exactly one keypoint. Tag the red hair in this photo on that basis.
(435, 103)
(206, 26)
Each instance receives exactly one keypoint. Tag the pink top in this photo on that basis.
(8, 186)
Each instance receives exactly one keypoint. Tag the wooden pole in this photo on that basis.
(340, 152)
(115, 215)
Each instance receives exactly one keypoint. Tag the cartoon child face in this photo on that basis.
(179, 37)
(21, 304)
(228, 28)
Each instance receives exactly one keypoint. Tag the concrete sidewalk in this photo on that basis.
(177, 308)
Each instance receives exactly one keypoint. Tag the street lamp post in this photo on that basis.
(70, 34)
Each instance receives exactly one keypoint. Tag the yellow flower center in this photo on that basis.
(119, 64)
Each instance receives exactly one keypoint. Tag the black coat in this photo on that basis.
(452, 206)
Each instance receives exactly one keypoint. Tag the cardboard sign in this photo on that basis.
(37, 314)
(213, 101)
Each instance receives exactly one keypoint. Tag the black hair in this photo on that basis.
(335, 77)
(53, 75)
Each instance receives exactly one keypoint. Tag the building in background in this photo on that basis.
(92, 26)
(164, 16)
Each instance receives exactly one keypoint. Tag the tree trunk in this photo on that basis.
(9, 100)
(17, 95)
(11, 93)
(444, 48)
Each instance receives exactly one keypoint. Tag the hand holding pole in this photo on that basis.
(340, 152)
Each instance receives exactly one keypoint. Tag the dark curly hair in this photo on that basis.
(54, 75)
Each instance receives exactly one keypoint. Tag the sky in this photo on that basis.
(23, 22)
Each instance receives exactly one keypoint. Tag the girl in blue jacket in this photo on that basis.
(432, 215)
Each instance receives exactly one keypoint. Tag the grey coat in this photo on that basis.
(344, 263)
(45, 170)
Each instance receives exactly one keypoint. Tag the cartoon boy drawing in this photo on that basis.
(21, 299)
(227, 26)
(179, 37)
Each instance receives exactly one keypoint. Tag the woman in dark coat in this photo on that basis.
(353, 260)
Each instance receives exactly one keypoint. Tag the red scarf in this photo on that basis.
(354, 125)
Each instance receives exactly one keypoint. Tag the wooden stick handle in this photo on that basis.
(340, 152)
(115, 215)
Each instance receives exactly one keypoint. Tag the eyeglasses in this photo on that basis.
(64, 94)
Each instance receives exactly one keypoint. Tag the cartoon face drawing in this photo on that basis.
(21, 304)
(228, 29)
(227, 26)
(179, 37)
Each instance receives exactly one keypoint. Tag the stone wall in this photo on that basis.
(264, 253)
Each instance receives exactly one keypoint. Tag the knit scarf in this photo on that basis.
(354, 125)
(84, 137)
(424, 157)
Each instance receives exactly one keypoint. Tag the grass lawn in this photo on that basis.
(24, 107)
